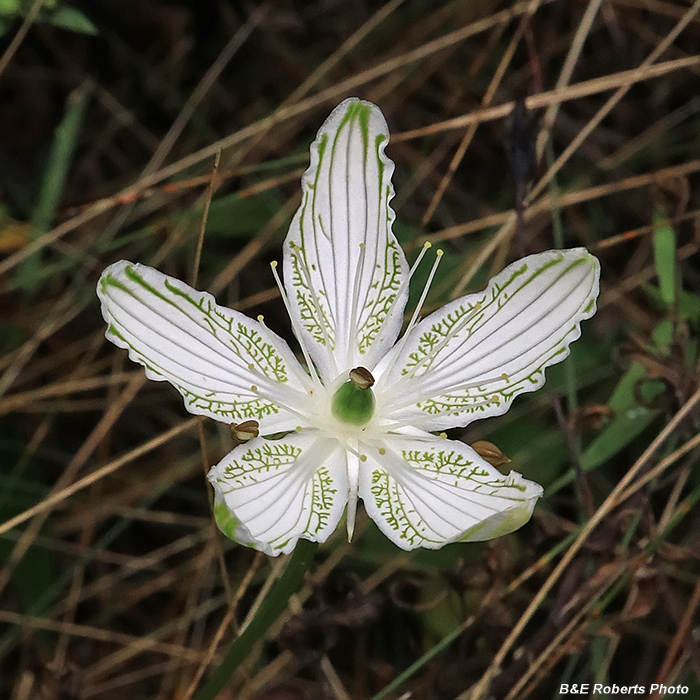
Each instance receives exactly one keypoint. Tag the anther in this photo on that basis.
(362, 378)
(490, 452)
(382, 451)
(245, 431)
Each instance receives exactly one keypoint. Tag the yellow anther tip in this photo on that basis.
(427, 245)
(253, 388)
(443, 436)
(439, 252)
(273, 264)
(251, 366)
(298, 428)
(261, 318)
(382, 451)
(362, 245)
(363, 458)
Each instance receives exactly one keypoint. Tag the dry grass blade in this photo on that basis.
(613, 500)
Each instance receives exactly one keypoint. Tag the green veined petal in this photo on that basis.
(218, 359)
(343, 268)
(469, 359)
(429, 493)
(270, 493)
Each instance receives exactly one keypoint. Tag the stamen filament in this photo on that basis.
(429, 356)
(276, 392)
(414, 317)
(426, 247)
(274, 398)
(353, 484)
(359, 455)
(355, 294)
(438, 348)
(431, 392)
(295, 325)
(319, 309)
(396, 424)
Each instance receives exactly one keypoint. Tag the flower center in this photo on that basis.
(353, 402)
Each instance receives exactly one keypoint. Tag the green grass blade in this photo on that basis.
(665, 258)
(54, 179)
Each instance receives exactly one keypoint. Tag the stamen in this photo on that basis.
(353, 483)
(454, 331)
(247, 430)
(276, 391)
(295, 325)
(274, 397)
(431, 392)
(429, 356)
(421, 301)
(355, 295)
(319, 309)
(426, 247)
(349, 448)
(362, 378)
(391, 425)
(414, 318)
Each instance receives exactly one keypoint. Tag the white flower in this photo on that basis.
(345, 287)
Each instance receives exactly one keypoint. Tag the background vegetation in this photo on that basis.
(114, 580)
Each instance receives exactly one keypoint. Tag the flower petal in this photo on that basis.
(427, 493)
(269, 493)
(343, 268)
(225, 365)
(472, 357)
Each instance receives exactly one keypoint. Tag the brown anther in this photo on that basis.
(361, 377)
(247, 430)
(490, 453)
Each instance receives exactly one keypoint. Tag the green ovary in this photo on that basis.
(353, 405)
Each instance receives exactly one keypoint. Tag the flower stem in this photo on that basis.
(275, 603)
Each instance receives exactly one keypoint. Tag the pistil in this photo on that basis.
(353, 402)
